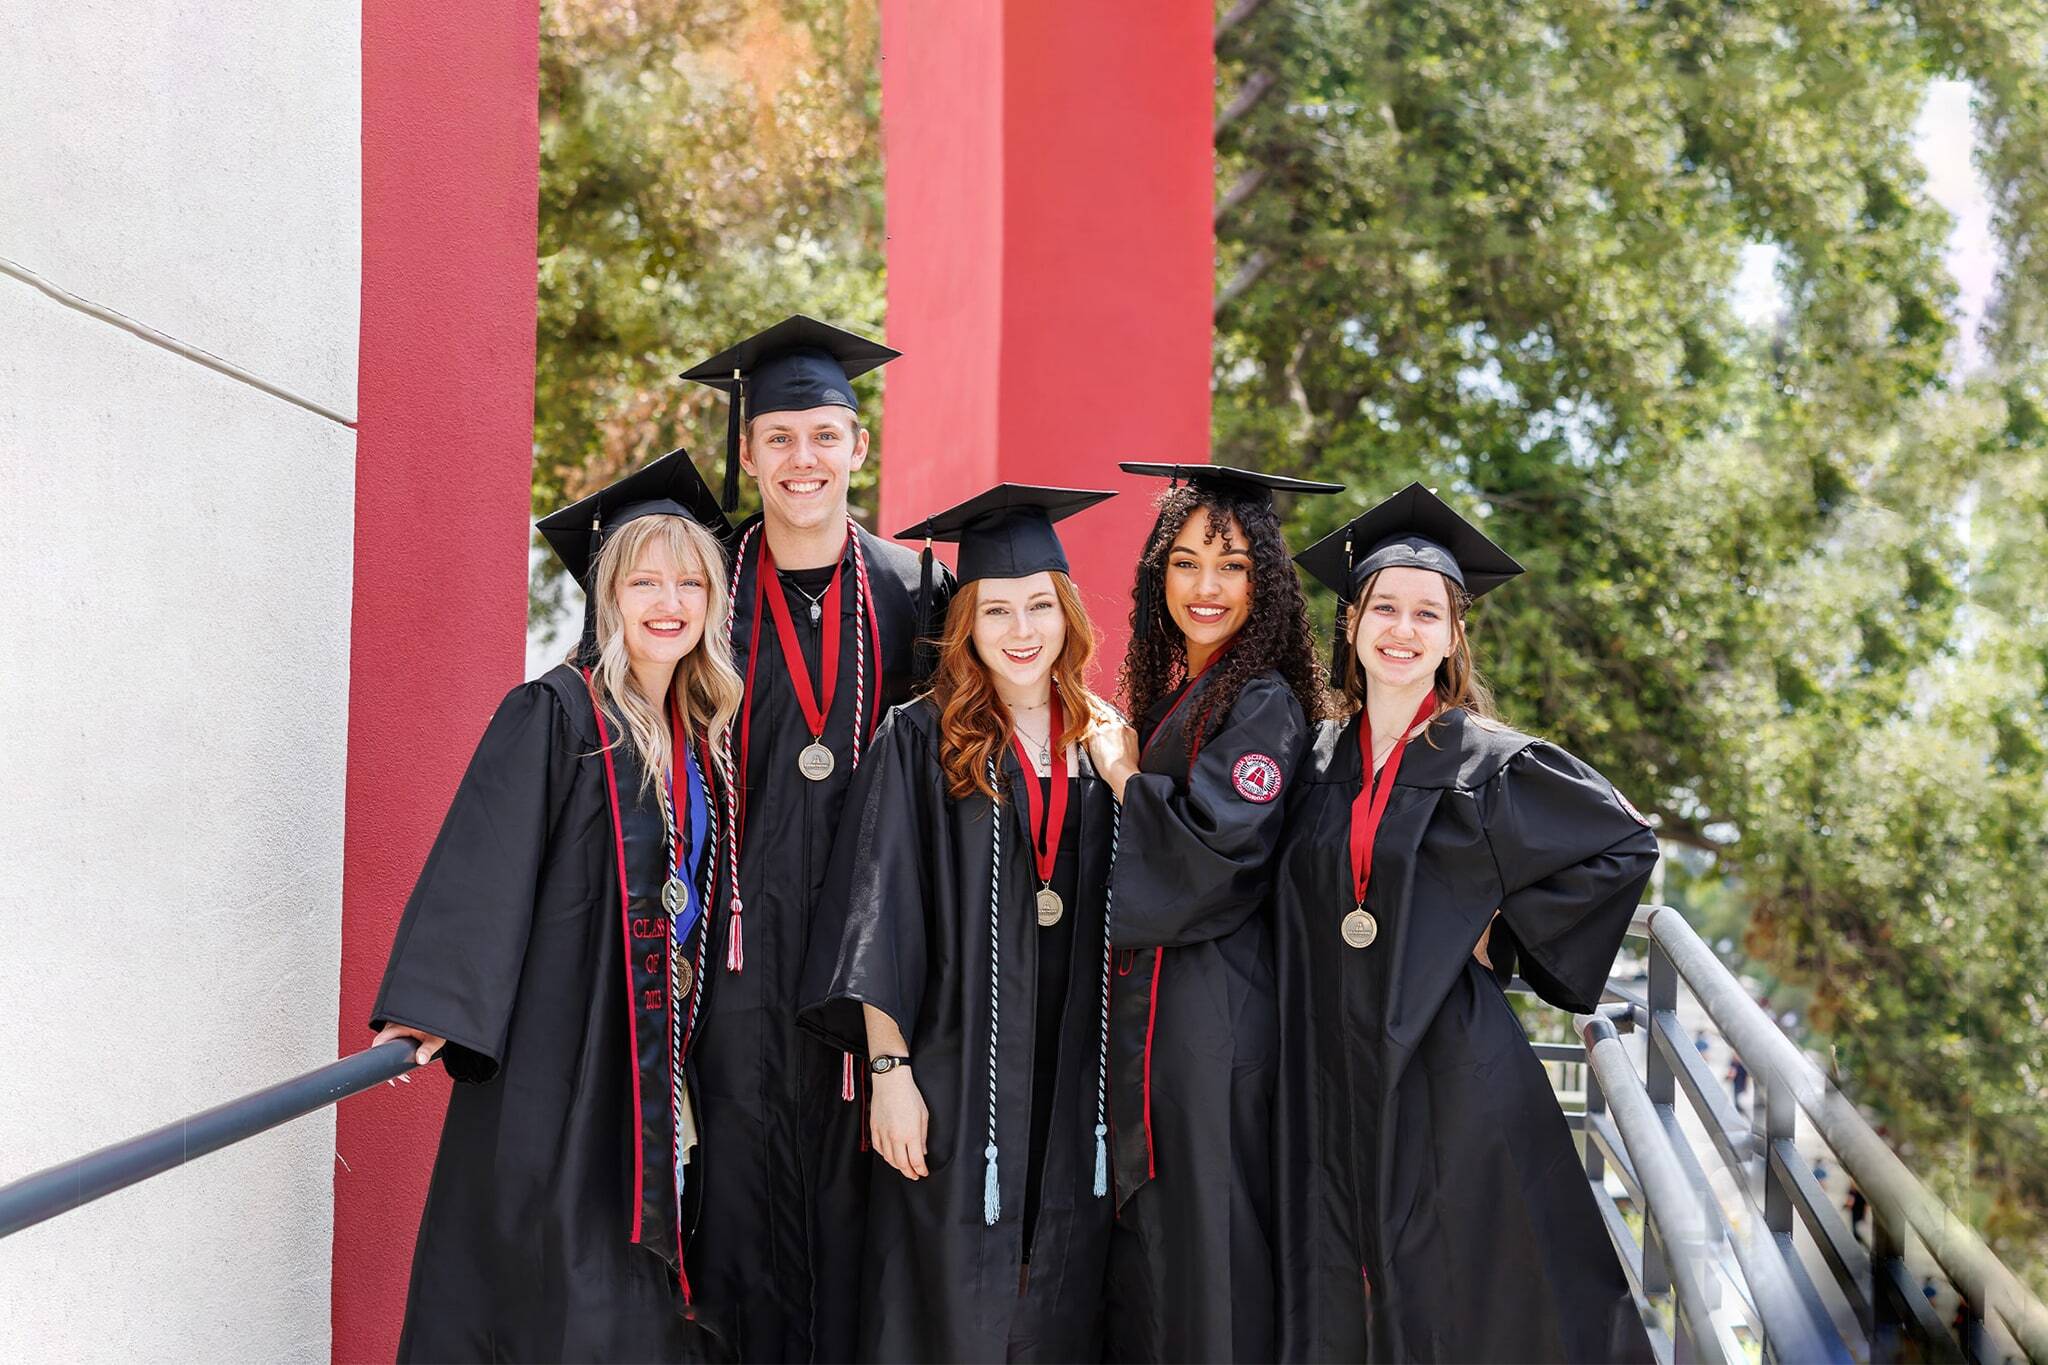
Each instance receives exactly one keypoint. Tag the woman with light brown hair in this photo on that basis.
(552, 957)
(1431, 1205)
(965, 956)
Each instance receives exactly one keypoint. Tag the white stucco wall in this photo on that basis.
(176, 550)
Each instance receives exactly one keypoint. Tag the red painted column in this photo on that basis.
(1051, 259)
(443, 489)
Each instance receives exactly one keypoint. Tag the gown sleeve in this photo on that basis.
(1191, 861)
(461, 945)
(1574, 858)
(867, 943)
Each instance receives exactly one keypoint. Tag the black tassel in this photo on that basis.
(730, 502)
(924, 656)
(586, 651)
(1340, 651)
(1141, 618)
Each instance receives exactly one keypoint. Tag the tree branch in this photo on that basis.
(1256, 87)
(1247, 275)
(1237, 14)
(1240, 190)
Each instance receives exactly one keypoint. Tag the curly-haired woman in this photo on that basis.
(1223, 680)
(961, 949)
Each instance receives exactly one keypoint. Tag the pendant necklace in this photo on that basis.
(817, 612)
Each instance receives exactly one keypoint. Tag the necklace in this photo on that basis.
(1041, 747)
(817, 601)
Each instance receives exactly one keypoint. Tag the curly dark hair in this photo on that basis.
(1276, 634)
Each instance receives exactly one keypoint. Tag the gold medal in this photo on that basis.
(1050, 907)
(675, 897)
(686, 975)
(815, 762)
(1360, 928)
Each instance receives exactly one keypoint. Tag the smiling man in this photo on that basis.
(824, 622)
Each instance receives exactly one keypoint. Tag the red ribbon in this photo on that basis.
(815, 707)
(1045, 844)
(1371, 802)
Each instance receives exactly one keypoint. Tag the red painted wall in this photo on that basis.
(443, 479)
(1051, 261)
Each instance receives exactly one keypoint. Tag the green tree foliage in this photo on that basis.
(1785, 578)
(707, 166)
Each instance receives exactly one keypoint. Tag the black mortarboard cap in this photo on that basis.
(669, 486)
(1243, 483)
(798, 363)
(1006, 532)
(1413, 529)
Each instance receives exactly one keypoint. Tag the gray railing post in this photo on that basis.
(1658, 1084)
(1774, 1114)
(1596, 1104)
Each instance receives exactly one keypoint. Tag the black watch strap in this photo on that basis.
(885, 1063)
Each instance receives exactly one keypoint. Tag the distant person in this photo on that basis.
(1700, 1043)
(1738, 1080)
(568, 880)
(1428, 1204)
(1859, 1208)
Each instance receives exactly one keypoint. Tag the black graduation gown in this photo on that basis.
(514, 947)
(1434, 1205)
(911, 880)
(776, 1261)
(1193, 1034)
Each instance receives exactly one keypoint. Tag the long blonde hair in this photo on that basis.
(707, 686)
(973, 722)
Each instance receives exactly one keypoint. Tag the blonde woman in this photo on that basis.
(552, 956)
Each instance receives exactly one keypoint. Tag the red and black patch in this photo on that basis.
(1256, 777)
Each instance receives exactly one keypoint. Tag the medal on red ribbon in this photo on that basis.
(1359, 927)
(815, 761)
(1045, 844)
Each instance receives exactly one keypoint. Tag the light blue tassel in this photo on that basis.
(1101, 1161)
(991, 1197)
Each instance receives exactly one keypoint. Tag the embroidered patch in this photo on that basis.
(1629, 806)
(1256, 777)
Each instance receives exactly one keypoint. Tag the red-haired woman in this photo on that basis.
(1432, 1206)
(964, 955)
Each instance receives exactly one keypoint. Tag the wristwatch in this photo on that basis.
(882, 1065)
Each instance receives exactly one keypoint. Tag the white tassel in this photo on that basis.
(991, 1197)
(1101, 1160)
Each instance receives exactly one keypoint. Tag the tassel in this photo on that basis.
(1340, 650)
(735, 943)
(846, 1077)
(991, 1198)
(1101, 1160)
(924, 659)
(730, 502)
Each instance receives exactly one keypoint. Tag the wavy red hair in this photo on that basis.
(973, 722)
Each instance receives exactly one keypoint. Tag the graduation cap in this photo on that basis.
(798, 363)
(1003, 532)
(1216, 478)
(1241, 483)
(1413, 529)
(669, 486)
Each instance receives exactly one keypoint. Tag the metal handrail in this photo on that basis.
(1895, 1194)
(1672, 1211)
(47, 1193)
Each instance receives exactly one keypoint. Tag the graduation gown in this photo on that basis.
(1434, 1205)
(776, 1262)
(908, 932)
(551, 1226)
(1194, 1031)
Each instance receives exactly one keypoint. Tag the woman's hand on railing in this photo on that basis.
(429, 1044)
(898, 1122)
